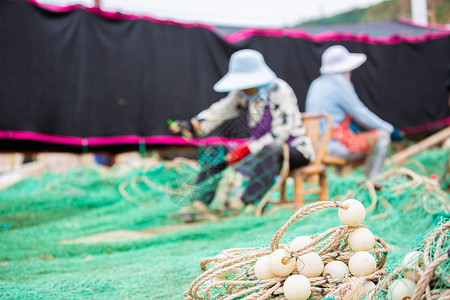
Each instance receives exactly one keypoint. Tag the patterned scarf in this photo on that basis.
(262, 94)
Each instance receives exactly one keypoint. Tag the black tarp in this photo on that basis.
(79, 74)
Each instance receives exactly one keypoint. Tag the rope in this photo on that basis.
(434, 199)
(175, 164)
(284, 172)
(236, 266)
(353, 288)
(432, 261)
(430, 273)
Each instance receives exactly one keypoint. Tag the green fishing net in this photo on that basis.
(96, 233)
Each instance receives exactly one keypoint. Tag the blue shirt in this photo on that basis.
(335, 95)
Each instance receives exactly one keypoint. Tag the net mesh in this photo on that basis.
(97, 233)
(423, 273)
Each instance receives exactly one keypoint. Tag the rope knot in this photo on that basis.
(292, 255)
(337, 255)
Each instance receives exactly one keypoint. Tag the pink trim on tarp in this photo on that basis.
(159, 139)
(332, 36)
(428, 126)
(249, 32)
(116, 140)
(34, 136)
(116, 15)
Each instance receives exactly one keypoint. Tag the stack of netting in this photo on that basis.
(88, 189)
(58, 232)
(423, 273)
(314, 267)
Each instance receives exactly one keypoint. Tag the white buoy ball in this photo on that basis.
(368, 286)
(262, 268)
(281, 263)
(297, 287)
(299, 243)
(412, 260)
(401, 289)
(361, 239)
(220, 277)
(362, 263)
(310, 265)
(224, 275)
(411, 263)
(352, 212)
(412, 274)
(335, 269)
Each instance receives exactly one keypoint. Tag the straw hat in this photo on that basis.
(337, 59)
(247, 69)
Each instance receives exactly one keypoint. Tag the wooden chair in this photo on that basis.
(316, 169)
(340, 165)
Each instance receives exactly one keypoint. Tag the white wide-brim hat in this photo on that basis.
(337, 59)
(247, 69)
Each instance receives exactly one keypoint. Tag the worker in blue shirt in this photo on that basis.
(333, 93)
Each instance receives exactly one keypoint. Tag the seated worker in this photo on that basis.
(272, 117)
(333, 93)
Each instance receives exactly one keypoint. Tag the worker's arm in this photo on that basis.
(359, 112)
(225, 109)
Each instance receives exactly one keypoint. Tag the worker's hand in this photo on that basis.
(183, 127)
(397, 135)
(177, 125)
(195, 125)
(237, 154)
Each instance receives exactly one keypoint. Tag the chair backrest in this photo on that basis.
(312, 122)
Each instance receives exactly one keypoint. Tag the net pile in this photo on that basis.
(96, 233)
(422, 274)
(235, 274)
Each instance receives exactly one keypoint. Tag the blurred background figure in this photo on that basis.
(272, 116)
(333, 93)
(104, 159)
